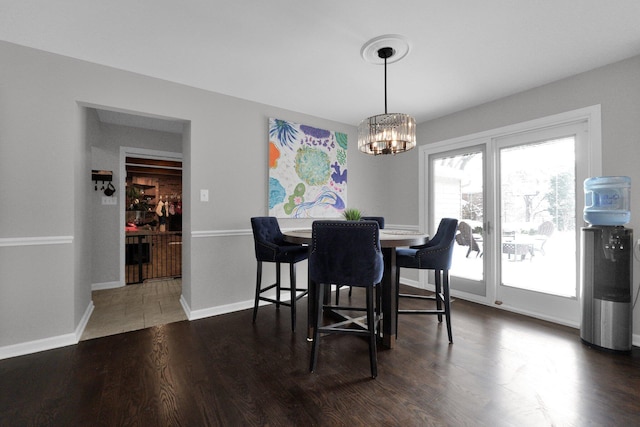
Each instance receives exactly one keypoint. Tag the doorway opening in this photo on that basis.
(157, 143)
(153, 215)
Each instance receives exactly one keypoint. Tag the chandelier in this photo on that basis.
(387, 133)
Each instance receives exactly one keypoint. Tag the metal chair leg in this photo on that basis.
(316, 332)
(371, 325)
(294, 295)
(438, 279)
(278, 282)
(447, 304)
(258, 283)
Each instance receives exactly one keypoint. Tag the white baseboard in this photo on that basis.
(83, 322)
(185, 307)
(37, 346)
(228, 308)
(527, 313)
(48, 343)
(215, 311)
(481, 300)
(412, 283)
(106, 285)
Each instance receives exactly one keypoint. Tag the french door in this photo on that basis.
(457, 191)
(517, 193)
(539, 185)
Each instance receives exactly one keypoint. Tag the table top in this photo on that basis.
(389, 238)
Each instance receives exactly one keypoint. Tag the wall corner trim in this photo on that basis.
(83, 322)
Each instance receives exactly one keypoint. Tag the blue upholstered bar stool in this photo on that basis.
(380, 221)
(346, 253)
(433, 255)
(271, 247)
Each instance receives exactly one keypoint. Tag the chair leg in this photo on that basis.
(397, 297)
(338, 293)
(447, 304)
(318, 322)
(378, 310)
(278, 282)
(294, 294)
(439, 297)
(258, 282)
(371, 325)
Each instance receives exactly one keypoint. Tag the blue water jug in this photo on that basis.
(606, 200)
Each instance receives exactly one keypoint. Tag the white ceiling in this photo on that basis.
(304, 55)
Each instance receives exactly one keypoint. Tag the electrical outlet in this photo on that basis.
(204, 195)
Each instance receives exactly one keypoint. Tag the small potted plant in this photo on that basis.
(352, 214)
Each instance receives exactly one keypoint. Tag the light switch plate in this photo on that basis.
(204, 195)
(106, 200)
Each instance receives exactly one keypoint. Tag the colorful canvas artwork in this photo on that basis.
(307, 171)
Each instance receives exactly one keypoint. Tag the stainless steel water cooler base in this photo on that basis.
(607, 325)
(606, 287)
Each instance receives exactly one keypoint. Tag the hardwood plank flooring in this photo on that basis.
(502, 370)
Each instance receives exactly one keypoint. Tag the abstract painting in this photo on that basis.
(307, 171)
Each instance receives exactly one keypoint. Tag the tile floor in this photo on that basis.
(134, 307)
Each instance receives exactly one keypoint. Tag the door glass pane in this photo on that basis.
(458, 193)
(538, 224)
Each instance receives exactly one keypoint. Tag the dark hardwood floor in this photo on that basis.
(502, 370)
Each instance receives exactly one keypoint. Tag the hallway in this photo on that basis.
(134, 307)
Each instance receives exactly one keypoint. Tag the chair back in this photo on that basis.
(441, 233)
(438, 255)
(546, 228)
(267, 237)
(465, 237)
(378, 219)
(346, 253)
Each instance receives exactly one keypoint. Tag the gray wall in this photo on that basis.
(615, 87)
(47, 193)
(46, 242)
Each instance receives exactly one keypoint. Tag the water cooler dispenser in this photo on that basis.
(606, 270)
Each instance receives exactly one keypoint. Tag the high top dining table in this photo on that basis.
(390, 239)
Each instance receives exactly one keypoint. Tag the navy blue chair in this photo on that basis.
(271, 247)
(434, 255)
(346, 253)
(380, 221)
